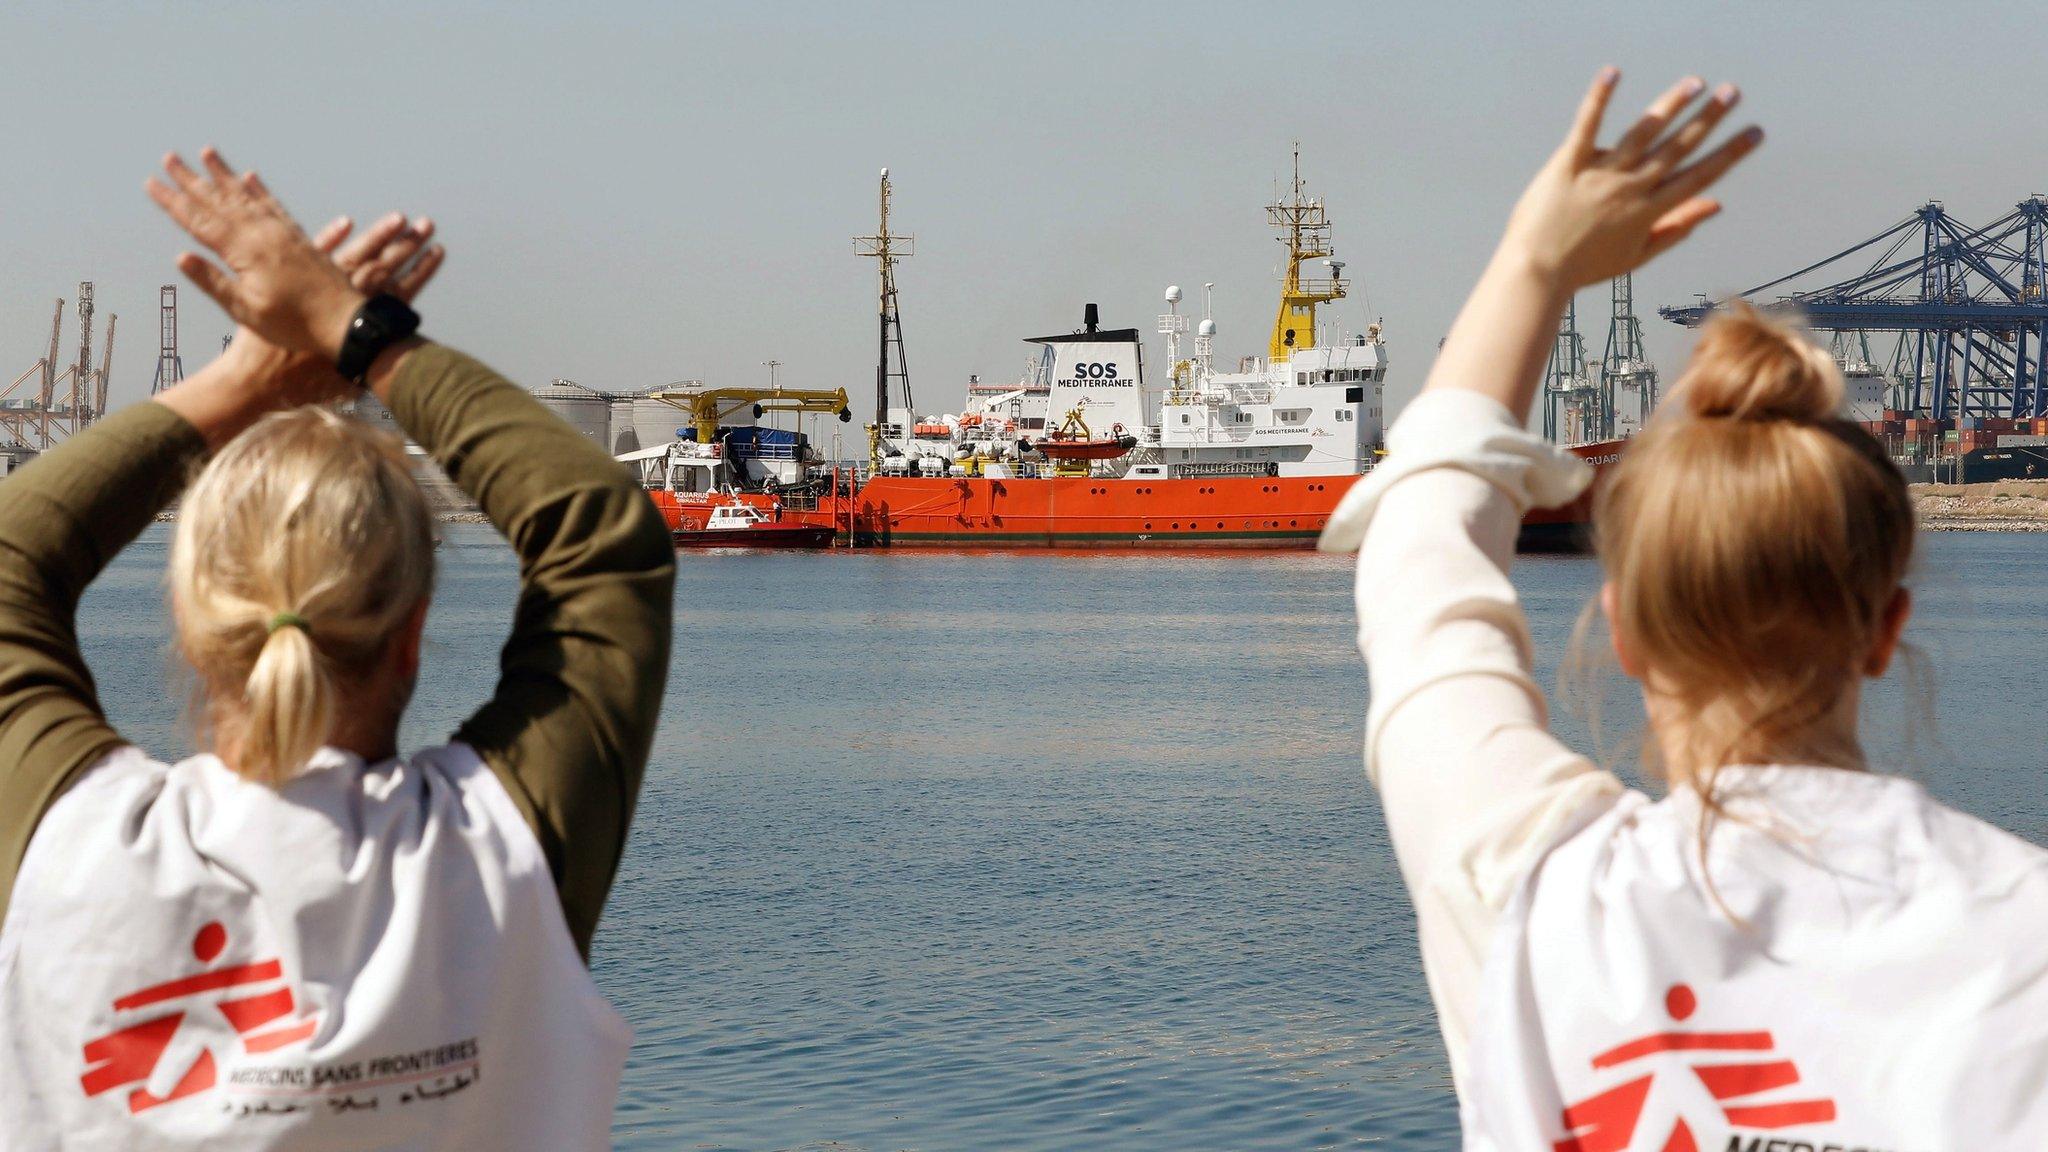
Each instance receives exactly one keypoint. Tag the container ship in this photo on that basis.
(1081, 452)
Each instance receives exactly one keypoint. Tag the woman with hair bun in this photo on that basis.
(1789, 949)
(301, 938)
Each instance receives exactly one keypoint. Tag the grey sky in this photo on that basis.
(639, 193)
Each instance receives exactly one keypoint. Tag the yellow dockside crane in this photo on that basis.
(708, 407)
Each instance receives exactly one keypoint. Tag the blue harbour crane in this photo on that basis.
(1626, 374)
(1964, 307)
(1572, 408)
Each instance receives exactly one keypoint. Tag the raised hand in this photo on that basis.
(391, 255)
(1593, 213)
(277, 282)
(1590, 214)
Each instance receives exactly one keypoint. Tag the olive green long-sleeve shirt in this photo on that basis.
(570, 724)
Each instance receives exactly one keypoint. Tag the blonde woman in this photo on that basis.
(301, 938)
(1789, 950)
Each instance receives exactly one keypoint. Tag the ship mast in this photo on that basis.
(886, 248)
(1305, 229)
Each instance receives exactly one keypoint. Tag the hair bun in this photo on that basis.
(1751, 367)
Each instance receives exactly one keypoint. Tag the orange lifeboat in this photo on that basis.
(1073, 441)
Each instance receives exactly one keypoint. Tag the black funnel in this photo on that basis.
(1089, 317)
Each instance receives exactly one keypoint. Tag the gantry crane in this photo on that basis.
(26, 423)
(32, 424)
(99, 399)
(170, 368)
(1965, 305)
(80, 413)
(1625, 370)
(1572, 403)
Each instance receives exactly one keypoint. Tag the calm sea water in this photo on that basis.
(1036, 851)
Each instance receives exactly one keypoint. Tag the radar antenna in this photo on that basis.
(1305, 228)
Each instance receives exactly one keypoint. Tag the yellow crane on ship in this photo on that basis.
(709, 407)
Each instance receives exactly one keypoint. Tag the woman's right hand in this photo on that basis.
(277, 283)
(1594, 213)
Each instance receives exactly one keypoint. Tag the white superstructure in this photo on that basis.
(1314, 405)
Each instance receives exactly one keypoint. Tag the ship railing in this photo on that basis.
(1247, 395)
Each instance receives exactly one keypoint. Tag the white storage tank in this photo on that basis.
(586, 410)
(625, 438)
(656, 422)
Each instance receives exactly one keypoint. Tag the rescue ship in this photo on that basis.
(1080, 452)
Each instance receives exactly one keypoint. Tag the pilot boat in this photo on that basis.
(742, 525)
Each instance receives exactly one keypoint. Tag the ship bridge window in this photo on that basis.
(1301, 378)
(1292, 415)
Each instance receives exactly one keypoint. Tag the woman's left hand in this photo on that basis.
(391, 255)
(1594, 213)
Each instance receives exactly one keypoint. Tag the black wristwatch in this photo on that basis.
(382, 321)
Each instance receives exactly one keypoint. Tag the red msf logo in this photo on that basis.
(131, 1055)
(1607, 1122)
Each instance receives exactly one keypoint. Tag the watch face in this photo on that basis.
(388, 314)
(383, 320)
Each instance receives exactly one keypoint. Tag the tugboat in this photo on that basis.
(742, 525)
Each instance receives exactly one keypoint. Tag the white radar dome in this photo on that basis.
(1206, 328)
(1173, 293)
(885, 173)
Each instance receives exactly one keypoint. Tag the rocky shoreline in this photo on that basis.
(1997, 506)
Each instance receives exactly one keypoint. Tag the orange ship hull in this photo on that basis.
(1081, 512)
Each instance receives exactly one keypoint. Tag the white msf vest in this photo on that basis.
(1882, 985)
(372, 956)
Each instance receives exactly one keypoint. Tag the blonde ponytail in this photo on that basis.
(300, 552)
(287, 702)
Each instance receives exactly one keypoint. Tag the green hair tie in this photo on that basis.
(290, 620)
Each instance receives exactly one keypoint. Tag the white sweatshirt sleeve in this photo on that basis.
(1474, 786)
